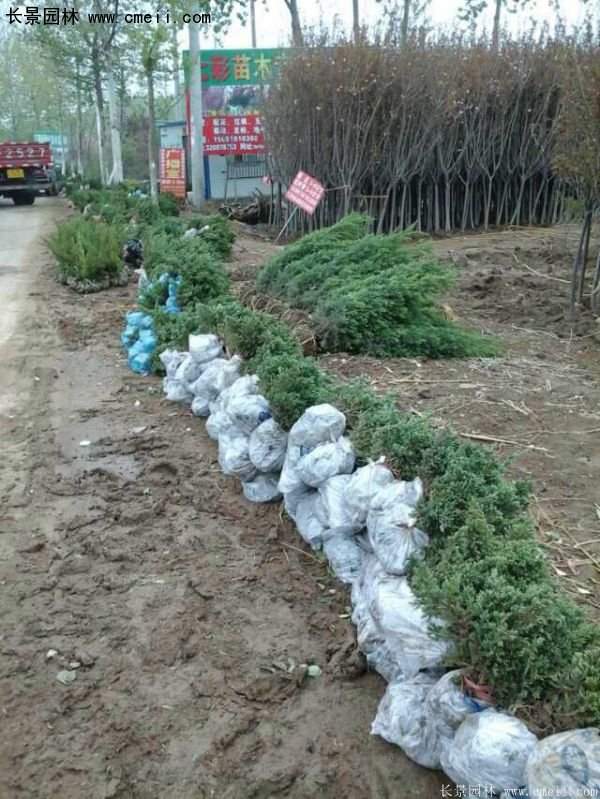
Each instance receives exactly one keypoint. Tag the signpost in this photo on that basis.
(233, 135)
(172, 171)
(306, 193)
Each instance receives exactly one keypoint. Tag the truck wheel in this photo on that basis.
(23, 199)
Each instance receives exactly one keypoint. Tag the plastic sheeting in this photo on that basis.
(334, 512)
(401, 719)
(365, 484)
(318, 425)
(344, 555)
(268, 443)
(248, 411)
(233, 456)
(204, 348)
(490, 749)
(262, 489)
(565, 765)
(307, 521)
(325, 461)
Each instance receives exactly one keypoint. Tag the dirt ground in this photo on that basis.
(129, 563)
(541, 398)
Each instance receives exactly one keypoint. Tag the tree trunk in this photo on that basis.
(196, 132)
(99, 103)
(297, 36)
(405, 21)
(152, 138)
(355, 21)
(496, 28)
(79, 134)
(179, 104)
(116, 175)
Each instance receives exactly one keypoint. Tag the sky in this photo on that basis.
(273, 25)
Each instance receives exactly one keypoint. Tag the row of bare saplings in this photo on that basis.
(444, 137)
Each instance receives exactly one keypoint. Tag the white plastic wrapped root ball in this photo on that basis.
(401, 719)
(242, 387)
(344, 555)
(233, 456)
(268, 444)
(325, 461)
(365, 484)
(248, 411)
(307, 521)
(334, 512)
(262, 489)
(218, 375)
(200, 406)
(289, 480)
(489, 749)
(390, 523)
(176, 390)
(204, 347)
(404, 626)
(565, 765)
(171, 359)
(447, 706)
(189, 371)
(318, 425)
(371, 643)
(395, 504)
(394, 546)
(292, 498)
(217, 423)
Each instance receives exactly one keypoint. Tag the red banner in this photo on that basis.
(306, 192)
(233, 135)
(172, 171)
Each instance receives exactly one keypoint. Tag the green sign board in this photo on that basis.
(236, 67)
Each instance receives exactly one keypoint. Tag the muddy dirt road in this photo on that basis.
(180, 613)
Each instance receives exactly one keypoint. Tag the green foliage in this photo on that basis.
(292, 384)
(371, 294)
(202, 277)
(510, 625)
(86, 250)
(350, 228)
(168, 205)
(154, 296)
(216, 232)
(461, 472)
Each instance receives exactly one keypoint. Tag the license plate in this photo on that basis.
(15, 173)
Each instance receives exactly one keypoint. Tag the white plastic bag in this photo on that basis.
(248, 411)
(395, 504)
(371, 644)
(307, 521)
(242, 387)
(334, 512)
(171, 359)
(189, 371)
(204, 347)
(344, 555)
(218, 422)
(365, 484)
(401, 719)
(403, 624)
(565, 765)
(200, 406)
(325, 461)
(489, 749)
(218, 375)
(176, 391)
(289, 480)
(292, 498)
(262, 489)
(268, 443)
(317, 425)
(233, 456)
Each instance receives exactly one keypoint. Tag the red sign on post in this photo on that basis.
(306, 192)
(172, 171)
(233, 135)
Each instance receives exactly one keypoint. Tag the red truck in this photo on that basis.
(26, 170)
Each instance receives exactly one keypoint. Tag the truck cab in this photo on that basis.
(26, 170)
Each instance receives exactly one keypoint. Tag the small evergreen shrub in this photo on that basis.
(216, 232)
(86, 250)
(292, 384)
(167, 204)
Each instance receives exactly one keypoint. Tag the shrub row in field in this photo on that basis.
(371, 294)
(484, 574)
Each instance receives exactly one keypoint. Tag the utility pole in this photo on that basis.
(253, 22)
(197, 139)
